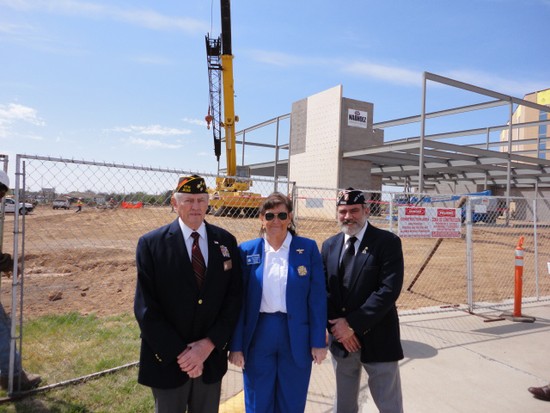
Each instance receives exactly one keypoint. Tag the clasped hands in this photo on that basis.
(191, 360)
(345, 335)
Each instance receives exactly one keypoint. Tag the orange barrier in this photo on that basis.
(131, 205)
(518, 285)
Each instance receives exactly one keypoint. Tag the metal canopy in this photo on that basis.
(398, 164)
(426, 160)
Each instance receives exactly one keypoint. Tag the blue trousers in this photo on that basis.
(5, 338)
(273, 382)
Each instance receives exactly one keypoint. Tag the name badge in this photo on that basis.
(252, 259)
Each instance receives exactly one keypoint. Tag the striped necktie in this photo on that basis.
(199, 267)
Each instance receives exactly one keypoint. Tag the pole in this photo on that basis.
(518, 287)
(518, 278)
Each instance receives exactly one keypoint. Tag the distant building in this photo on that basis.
(534, 139)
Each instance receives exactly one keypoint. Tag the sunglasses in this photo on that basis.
(269, 216)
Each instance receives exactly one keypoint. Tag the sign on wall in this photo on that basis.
(428, 222)
(357, 118)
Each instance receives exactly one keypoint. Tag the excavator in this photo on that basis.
(231, 196)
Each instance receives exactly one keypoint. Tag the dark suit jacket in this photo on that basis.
(369, 305)
(172, 312)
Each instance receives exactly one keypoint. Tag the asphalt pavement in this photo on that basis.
(454, 362)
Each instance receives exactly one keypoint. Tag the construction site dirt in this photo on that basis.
(85, 262)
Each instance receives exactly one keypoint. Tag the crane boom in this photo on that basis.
(231, 196)
(228, 89)
(220, 73)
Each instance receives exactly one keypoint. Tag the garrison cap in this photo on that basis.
(193, 184)
(350, 196)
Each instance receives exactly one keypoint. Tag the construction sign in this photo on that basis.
(429, 222)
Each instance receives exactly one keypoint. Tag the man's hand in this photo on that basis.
(237, 358)
(351, 344)
(191, 360)
(340, 329)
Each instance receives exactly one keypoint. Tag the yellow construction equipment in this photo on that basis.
(231, 197)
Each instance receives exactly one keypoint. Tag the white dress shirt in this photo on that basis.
(275, 276)
(357, 242)
(188, 239)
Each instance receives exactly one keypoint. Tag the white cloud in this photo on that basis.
(152, 130)
(15, 113)
(139, 17)
(391, 74)
(514, 87)
(278, 58)
(198, 122)
(152, 143)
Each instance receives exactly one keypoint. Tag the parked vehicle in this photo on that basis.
(61, 203)
(24, 207)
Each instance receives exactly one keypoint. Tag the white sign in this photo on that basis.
(548, 263)
(357, 118)
(428, 222)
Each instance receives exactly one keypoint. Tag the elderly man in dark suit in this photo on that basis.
(364, 272)
(188, 298)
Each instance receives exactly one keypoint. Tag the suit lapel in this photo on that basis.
(360, 258)
(181, 255)
(215, 258)
(334, 262)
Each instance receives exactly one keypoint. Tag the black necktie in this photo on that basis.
(199, 267)
(346, 266)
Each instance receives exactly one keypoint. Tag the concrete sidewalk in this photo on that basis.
(454, 362)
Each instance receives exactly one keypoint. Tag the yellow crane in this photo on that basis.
(231, 197)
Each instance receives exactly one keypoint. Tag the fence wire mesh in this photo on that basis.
(79, 265)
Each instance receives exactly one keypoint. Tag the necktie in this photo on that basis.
(346, 266)
(199, 267)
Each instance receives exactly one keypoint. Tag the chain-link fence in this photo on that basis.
(79, 223)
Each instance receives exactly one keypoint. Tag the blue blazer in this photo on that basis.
(172, 311)
(369, 305)
(306, 297)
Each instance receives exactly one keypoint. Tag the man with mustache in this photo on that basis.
(364, 273)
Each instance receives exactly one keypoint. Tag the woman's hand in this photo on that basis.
(236, 358)
(319, 354)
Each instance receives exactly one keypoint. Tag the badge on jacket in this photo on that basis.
(302, 271)
(252, 259)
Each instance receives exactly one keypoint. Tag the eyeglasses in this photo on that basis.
(269, 216)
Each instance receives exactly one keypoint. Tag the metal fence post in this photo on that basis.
(536, 242)
(469, 256)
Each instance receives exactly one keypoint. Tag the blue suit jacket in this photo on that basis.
(369, 305)
(172, 311)
(305, 297)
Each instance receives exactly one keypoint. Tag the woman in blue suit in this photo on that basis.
(281, 328)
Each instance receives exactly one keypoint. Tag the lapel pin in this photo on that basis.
(300, 250)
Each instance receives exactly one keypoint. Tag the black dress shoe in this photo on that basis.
(21, 383)
(541, 393)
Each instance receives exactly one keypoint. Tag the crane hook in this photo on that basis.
(208, 118)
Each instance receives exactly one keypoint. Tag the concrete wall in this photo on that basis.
(323, 127)
(315, 139)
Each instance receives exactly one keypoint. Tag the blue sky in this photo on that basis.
(126, 81)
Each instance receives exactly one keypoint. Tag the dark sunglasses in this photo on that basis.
(269, 216)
